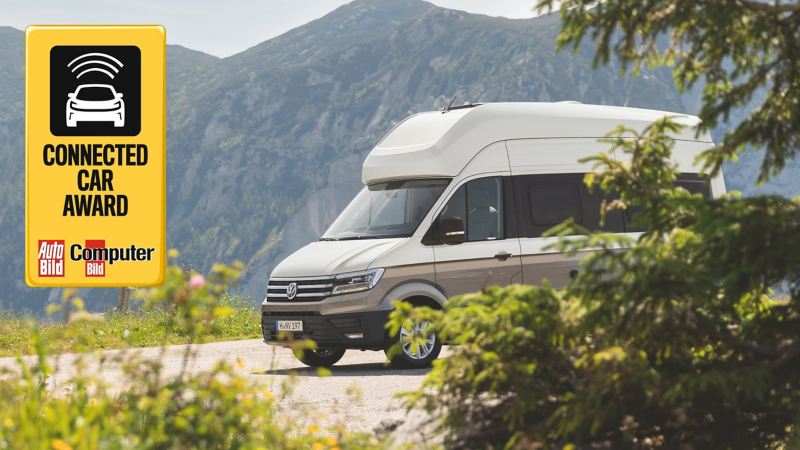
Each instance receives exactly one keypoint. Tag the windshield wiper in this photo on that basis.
(371, 236)
(328, 239)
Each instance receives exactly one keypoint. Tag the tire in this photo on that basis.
(410, 357)
(322, 356)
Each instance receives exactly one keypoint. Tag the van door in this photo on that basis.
(548, 186)
(544, 201)
(490, 254)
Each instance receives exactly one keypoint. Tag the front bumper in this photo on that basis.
(115, 116)
(329, 330)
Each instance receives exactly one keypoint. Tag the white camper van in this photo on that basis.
(454, 201)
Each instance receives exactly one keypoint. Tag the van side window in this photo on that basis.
(692, 182)
(480, 203)
(547, 200)
(485, 209)
(551, 204)
(695, 184)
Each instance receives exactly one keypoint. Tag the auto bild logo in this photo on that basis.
(291, 291)
(95, 90)
(51, 258)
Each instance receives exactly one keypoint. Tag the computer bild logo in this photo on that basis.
(95, 90)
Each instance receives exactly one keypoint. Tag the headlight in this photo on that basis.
(356, 281)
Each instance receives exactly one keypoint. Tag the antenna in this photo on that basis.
(451, 104)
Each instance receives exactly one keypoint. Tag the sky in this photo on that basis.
(218, 27)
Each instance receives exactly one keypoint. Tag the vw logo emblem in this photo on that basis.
(291, 290)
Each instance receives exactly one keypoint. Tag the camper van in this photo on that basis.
(455, 201)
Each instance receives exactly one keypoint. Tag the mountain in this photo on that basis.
(12, 167)
(275, 136)
(265, 147)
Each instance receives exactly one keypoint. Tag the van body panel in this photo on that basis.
(451, 144)
(718, 186)
(684, 155)
(406, 254)
(527, 156)
(460, 270)
(415, 288)
(556, 268)
(334, 257)
(492, 159)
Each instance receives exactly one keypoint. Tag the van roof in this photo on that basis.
(441, 143)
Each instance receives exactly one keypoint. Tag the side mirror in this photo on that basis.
(119, 94)
(451, 230)
(71, 95)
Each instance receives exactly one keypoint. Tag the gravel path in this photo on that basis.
(359, 393)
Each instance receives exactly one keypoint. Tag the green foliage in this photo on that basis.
(677, 342)
(743, 50)
(146, 407)
(677, 339)
(506, 354)
(145, 327)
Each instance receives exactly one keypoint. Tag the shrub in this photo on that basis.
(677, 342)
(147, 408)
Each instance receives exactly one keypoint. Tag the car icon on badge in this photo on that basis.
(95, 103)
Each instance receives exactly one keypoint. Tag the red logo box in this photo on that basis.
(95, 268)
(51, 258)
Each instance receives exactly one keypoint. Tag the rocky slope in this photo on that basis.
(265, 146)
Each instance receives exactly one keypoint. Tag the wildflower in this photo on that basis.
(58, 444)
(266, 394)
(197, 281)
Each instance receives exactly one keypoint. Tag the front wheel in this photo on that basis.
(419, 346)
(321, 356)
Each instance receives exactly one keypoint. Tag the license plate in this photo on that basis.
(290, 325)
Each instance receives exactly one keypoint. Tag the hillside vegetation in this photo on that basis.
(265, 147)
(146, 407)
(141, 328)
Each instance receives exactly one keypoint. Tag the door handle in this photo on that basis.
(502, 255)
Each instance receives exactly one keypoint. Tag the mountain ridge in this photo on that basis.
(265, 146)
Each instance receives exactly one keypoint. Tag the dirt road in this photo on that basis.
(359, 393)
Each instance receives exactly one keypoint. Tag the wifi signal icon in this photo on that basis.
(95, 62)
(95, 90)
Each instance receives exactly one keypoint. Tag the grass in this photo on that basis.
(119, 330)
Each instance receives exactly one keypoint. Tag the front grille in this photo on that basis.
(309, 289)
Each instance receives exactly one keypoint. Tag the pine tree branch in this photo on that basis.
(789, 355)
(732, 340)
(770, 7)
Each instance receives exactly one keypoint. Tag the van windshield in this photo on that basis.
(386, 210)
